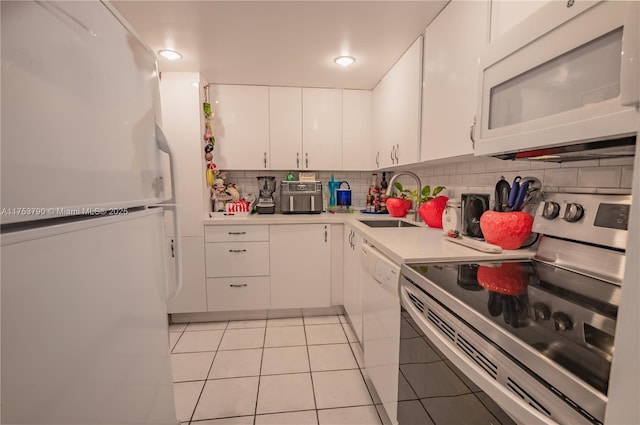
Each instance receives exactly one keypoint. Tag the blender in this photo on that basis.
(266, 202)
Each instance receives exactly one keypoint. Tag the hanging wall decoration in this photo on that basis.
(209, 139)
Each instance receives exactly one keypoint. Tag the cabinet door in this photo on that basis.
(352, 281)
(356, 129)
(451, 78)
(285, 128)
(322, 129)
(397, 104)
(300, 265)
(240, 126)
(192, 298)
(181, 111)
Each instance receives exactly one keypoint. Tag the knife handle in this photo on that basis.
(515, 189)
(522, 193)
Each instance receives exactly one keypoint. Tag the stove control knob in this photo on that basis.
(541, 312)
(561, 321)
(573, 213)
(551, 210)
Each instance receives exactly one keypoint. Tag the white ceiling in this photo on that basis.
(281, 43)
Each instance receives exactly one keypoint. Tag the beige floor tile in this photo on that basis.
(244, 324)
(343, 388)
(177, 327)
(325, 334)
(285, 336)
(307, 417)
(321, 320)
(191, 366)
(362, 415)
(185, 395)
(285, 393)
(198, 341)
(236, 363)
(173, 338)
(357, 352)
(351, 337)
(279, 360)
(238, 420)
(331, 357)
(291, 321)
(239, 339)
(206, 326)
(227, 397)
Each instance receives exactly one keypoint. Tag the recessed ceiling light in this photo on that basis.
(344, 60)
(172, 55)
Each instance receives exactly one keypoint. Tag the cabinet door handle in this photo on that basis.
(378, 159)
(472, 131)
(397, 156)
(326, 234)
(306, 159)
(173, 249)
(237, 251)
(265, 160)
(297, 159)
(238, 285)
(237, 233)
(392, 158)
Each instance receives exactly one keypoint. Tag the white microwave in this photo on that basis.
(567, 74)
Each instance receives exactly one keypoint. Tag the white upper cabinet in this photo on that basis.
(285, 128)
(322, 129)
(356, 129)
(506, 14)
(396, 111)
(451, 73)
(240, 126)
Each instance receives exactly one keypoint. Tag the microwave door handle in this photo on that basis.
(630, 69)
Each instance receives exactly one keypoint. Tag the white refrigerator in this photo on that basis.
(84, 285)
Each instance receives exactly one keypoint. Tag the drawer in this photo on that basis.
(238, 293)
(237, 233)
(237, 259)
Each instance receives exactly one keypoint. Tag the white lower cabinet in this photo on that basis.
(237, 267)
(238, 293)
(300, 265)
(237, 259)
(353, 280)
(192, 297)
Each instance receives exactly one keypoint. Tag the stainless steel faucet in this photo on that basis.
(416, 216)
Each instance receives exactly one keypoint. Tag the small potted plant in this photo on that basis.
(430, 206)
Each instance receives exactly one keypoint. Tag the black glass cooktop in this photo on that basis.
(566, 316)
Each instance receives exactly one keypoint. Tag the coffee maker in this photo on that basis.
(266, 202)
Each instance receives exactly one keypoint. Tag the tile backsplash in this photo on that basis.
(477, 175)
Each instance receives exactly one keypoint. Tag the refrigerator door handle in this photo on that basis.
(172, 205)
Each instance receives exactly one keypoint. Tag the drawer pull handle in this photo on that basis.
(237, 250)
(238, 285)
(237, 233)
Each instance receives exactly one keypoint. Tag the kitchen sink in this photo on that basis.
(387, 223)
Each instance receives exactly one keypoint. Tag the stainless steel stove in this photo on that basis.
(537, 335)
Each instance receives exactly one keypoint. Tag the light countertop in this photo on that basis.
(401, 245)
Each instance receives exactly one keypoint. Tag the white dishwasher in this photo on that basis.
(381, 310)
